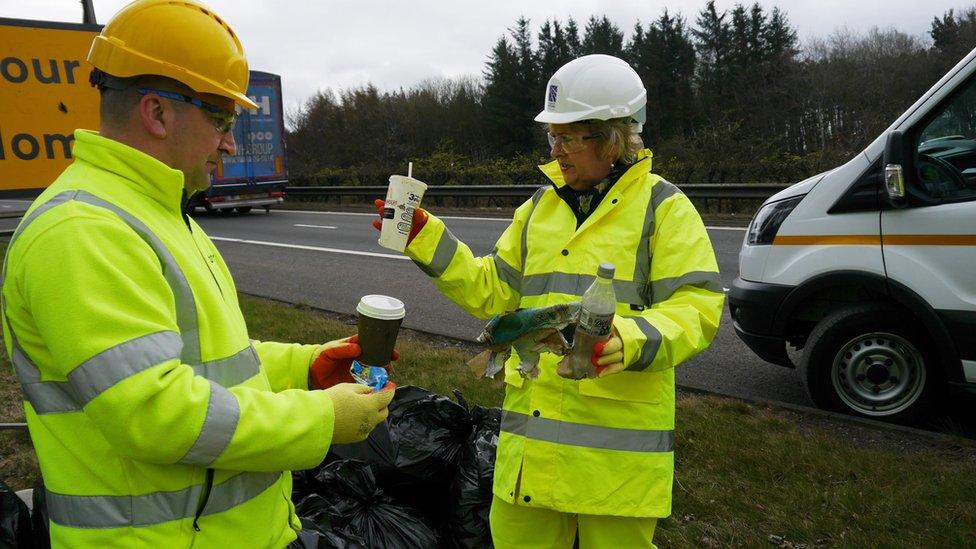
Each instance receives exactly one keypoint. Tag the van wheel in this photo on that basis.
(870, 360)
(243, 209)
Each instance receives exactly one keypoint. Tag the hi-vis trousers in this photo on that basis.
(521, 527)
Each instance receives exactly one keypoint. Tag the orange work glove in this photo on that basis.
(608, 355)
(419, 219)
(333, 360)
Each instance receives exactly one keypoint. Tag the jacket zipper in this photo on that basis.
(204, 497)
(186, 219)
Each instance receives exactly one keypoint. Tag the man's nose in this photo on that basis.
(227, 144)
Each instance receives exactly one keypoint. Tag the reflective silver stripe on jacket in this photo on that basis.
(156, 507)
(662, 191)
(536, 197)
(636, 291)
(443, 254)
(219, 425)
(128, 358)
(186, 310)
(651, 345)
(506, 273)
(576, 284)
(663, 289)
(588, 436)
(233, 370)
(96, 375)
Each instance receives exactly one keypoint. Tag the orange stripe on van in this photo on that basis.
(827, 240)
(875, 240)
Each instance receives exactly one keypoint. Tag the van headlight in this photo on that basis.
(768, 219)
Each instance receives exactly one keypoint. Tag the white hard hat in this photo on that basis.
(591, 87)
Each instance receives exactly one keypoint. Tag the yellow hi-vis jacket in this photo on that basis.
(596, 446)
(148, 405)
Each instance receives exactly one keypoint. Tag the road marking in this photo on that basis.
(502, 219)
(310, 248)
(315, 226)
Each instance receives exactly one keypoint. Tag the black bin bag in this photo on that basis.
(353, 505)
(39, 516)
(416, 452)
(15, 524)
(467, 524)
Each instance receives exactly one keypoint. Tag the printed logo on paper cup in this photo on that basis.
(551, 98)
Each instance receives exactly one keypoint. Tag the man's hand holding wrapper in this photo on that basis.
(331, 362)
(357, 410)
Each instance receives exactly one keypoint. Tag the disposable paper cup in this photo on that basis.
(379, 323)
(402, 197)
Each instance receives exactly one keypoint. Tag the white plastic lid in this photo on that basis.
(382, 307)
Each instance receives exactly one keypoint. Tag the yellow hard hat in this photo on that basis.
(179, 39)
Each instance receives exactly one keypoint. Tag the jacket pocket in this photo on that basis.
(646, 387)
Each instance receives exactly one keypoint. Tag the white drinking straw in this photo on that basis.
(409, 169)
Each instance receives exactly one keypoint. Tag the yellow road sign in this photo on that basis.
(44, 97)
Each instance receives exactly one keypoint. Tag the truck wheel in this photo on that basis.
(870, 360)
(243, 209)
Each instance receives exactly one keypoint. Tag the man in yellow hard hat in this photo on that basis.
(157, 421)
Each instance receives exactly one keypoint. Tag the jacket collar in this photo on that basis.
(634, 175)
(140, 172)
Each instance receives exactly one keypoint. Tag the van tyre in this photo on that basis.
(870, 360)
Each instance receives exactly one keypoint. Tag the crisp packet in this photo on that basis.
(374, 377)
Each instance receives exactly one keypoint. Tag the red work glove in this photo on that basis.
(608, 355)
(419, 219)
(333, 360)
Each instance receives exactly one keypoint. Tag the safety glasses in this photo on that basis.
(570, 143)
(221, 118)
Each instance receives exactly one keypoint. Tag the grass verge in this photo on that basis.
(747, 475)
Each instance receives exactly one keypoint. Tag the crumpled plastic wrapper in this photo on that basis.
(529, 332)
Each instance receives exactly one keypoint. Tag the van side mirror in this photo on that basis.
(899, 163)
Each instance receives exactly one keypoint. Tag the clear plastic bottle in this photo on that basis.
(596, 319)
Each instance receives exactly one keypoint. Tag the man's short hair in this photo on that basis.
(119, 96)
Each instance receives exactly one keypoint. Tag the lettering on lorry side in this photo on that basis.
(264, 104)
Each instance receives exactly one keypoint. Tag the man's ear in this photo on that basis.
(156, 116)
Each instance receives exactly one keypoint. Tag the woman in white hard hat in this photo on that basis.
(591, 457)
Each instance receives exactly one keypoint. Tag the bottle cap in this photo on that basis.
(606, 270)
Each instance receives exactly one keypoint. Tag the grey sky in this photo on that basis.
(339, 44)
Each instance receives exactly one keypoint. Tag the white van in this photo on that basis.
(870, 268)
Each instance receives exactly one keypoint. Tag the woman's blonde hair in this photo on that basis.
(620, 139)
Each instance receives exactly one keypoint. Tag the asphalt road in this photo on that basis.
(329, 260)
